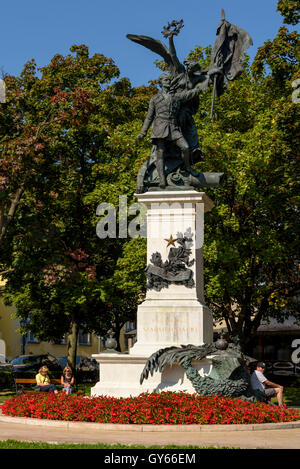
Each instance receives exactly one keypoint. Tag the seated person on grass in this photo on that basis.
(259, 381)
(43, 382)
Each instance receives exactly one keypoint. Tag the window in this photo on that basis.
(30, 338)
(129, 326)
(84, 338)
(59, 341)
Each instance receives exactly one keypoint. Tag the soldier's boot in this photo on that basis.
(160, 168)
(186, 160)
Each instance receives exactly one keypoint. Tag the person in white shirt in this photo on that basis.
(259, 381)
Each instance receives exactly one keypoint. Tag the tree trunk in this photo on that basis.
(5, 221)
(72, 346)
(117, 329)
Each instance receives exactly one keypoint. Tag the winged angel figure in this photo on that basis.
(171, 111)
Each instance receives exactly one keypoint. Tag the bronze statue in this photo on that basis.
(164, 110)
(174, 134)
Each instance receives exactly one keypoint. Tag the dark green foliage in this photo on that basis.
(6, 380)
(290, 10)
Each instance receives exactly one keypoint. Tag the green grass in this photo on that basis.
(291, 397)
(4, 398)
(14, 444)
(83, 388)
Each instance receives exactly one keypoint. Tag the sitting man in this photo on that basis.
(259, 381)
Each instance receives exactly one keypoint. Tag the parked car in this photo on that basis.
(34, 363)
(63, 361)
(82, 363)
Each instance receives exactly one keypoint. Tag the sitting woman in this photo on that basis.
(67, 380)
(43, 383)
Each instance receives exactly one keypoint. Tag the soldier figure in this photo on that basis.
(163, 112)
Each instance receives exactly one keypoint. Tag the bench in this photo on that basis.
(19, 382)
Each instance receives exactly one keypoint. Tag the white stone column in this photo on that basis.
(175, 315)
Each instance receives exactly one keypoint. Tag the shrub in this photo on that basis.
(165, 408)
(6, 378)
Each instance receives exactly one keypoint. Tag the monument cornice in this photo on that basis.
(182, 196)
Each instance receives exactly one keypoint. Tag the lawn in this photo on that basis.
(14, 444)
(292, 397)
(82, 388)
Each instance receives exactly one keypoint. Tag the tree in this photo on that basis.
(58, 269)
(290, 10)
(252, 236)
(21, 145)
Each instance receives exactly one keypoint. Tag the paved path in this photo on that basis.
(10, 428)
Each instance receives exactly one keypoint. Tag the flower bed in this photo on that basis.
(165, 408)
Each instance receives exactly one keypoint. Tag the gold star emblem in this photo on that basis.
(171, 241)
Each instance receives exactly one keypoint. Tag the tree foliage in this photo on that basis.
(78, 153)
(252, 235)
(290, 10)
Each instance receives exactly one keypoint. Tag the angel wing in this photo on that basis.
(155, 45)
(168, 356)
(153, 363)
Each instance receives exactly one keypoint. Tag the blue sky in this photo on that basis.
(36, 29)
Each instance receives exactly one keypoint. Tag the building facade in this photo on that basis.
(17, 344)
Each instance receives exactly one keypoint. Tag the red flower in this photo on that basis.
(165, 408)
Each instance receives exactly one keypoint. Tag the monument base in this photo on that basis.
(171, 323)
(174, 311)
(120, 376)
(161, 324)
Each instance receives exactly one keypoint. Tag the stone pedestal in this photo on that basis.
(120, 376)
(173, 316)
